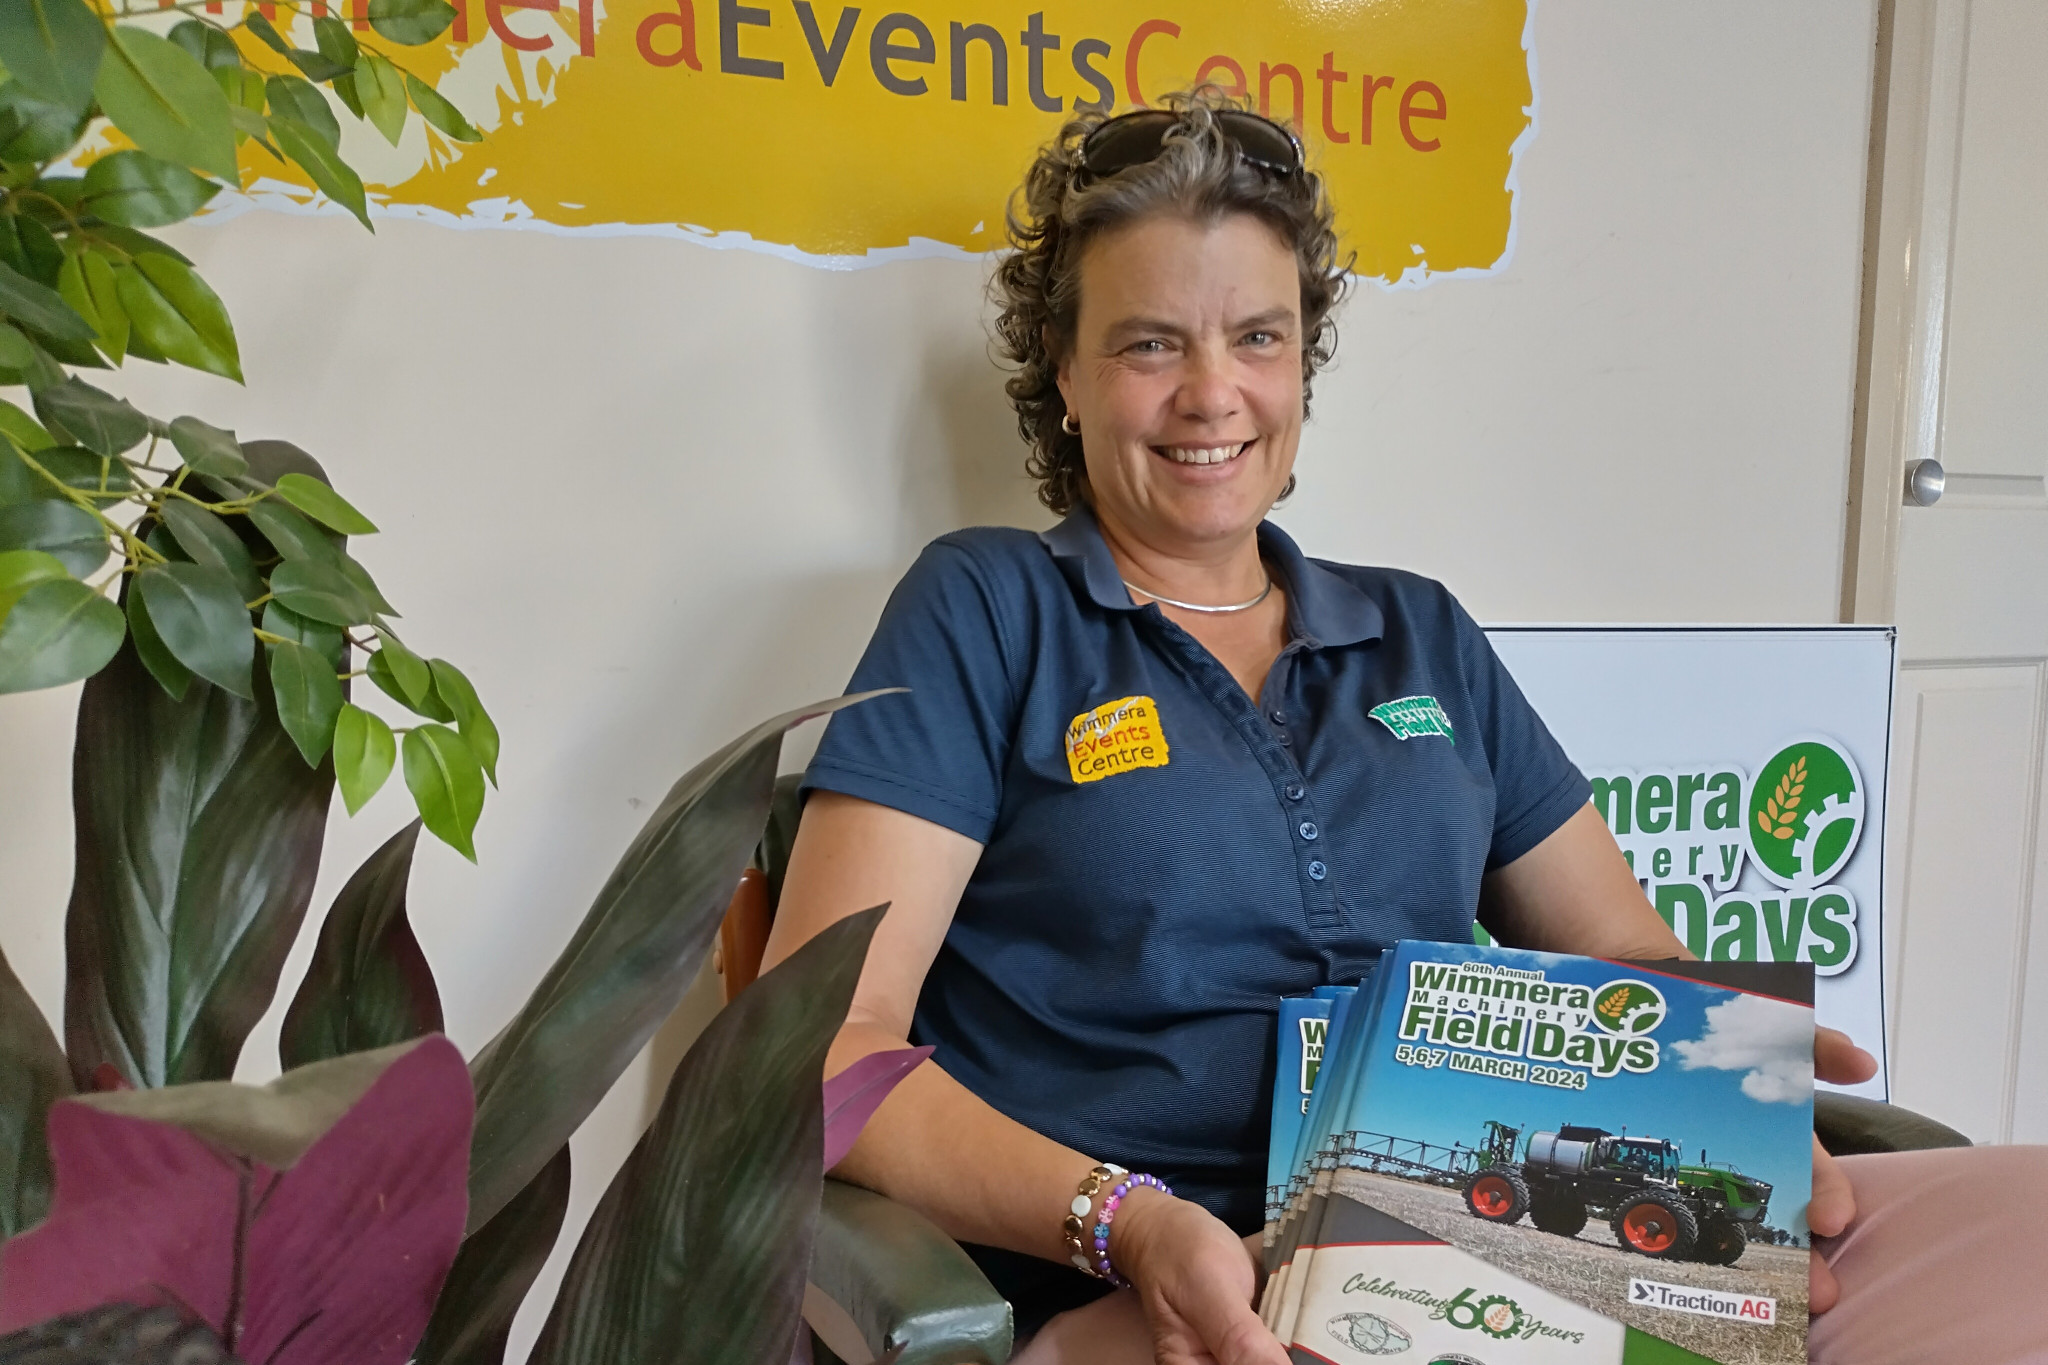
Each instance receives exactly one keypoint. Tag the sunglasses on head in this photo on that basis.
(1133, 139)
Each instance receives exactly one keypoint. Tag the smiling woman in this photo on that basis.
(1143, 781)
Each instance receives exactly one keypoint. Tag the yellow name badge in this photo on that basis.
(1115, 738)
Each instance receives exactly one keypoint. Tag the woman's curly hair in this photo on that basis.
(1198, 175)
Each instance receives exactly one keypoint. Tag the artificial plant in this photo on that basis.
(203, 588)
(217, 564)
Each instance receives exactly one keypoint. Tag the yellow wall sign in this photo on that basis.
(1116, 737)
(839, 131)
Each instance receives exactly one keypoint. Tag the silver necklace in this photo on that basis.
(1246, 605)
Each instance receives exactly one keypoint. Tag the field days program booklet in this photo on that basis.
(1532, 1157)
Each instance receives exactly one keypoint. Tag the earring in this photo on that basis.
(1069, 425)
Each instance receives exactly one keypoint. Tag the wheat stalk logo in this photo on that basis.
(1781, 812)
(1614, 1004)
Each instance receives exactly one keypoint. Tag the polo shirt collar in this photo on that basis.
(1323, 608)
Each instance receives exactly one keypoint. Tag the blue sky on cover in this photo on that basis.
(1700, 1108)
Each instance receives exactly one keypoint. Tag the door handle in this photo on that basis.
(1924, 481)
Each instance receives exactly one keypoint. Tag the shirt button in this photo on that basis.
(1277, 717)
(1284, 739)
(1295, 791)
(1309, 830)
(1316, 870)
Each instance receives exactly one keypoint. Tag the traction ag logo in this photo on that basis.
(1805, 814)
(1628, 1007)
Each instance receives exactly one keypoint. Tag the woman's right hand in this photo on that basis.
(1196, 1280)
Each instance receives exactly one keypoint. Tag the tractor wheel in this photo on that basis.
(1499, 1195)
(1558, 1214)
(1720, 1241)
(1657, 1225)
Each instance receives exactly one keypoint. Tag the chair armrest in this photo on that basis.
(887, 1273)
(1849, 1125)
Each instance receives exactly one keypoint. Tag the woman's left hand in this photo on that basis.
(1837, 1061)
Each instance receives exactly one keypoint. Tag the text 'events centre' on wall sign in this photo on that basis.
(843, 133)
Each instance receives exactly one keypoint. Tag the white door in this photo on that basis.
(1957, 371)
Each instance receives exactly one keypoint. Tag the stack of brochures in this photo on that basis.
(1484, 1156)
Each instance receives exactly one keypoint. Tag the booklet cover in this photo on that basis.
(1303, 1024)
(1611, 1158)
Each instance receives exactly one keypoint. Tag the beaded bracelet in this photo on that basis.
(1109, 1208)
(1083, 1205)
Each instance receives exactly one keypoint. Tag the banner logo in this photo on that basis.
(1688, 833)
(845, 134)
(1805, 813)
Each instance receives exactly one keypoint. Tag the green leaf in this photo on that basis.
(267, 32)
(166, 102)
(301, 101)
(291, 534)
(91, 417)
(308, 697)
(411, 22)
(21, 570)
(139, 190)
(626, 967)
(135, 243)
(207, 538)
(215, 824)
(436, 109)
(324, 505)
(335, 42)
(200, 617)
(368, 985)
(344, 88)
(17, 352)
(23, 429)
(470, 717)
(40, 307)
(58, 632)
(89, 282)
(734, 1160)
(176, 312)
(447, 784)
(316, 66)
(70, 534)
(208, 449)
(33, 1076)
(307, 147)
(212, 48)
(53, 48)
(319, 636)
(382, 91)
(359, 576)
(401, 674)
(172, 676)
(497, 1265)
(319, 591)
(33, 130)
(364, 752)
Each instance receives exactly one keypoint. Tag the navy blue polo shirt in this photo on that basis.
(1164, 858)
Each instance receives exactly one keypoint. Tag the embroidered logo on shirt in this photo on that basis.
(1115, 738)
(1408, 717)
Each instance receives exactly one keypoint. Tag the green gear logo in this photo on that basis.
(1628, 1007)
(1805, 814)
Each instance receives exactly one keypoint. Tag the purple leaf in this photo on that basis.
(852, 1096)
(339, 1257)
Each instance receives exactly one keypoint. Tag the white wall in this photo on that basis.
(647, 492)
